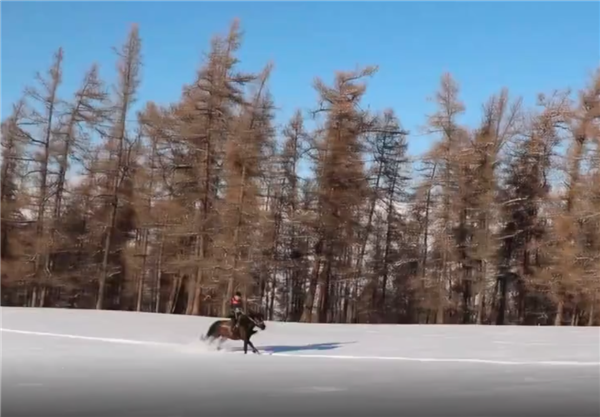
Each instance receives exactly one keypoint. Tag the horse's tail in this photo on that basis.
(212, 330)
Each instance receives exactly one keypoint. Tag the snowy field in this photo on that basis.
(103, 363)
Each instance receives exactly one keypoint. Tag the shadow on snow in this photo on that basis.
(299, 348)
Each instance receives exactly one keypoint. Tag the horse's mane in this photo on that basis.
(254, 313)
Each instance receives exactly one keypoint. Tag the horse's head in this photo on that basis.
(258, 320)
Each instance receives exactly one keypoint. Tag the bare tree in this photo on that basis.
(128, 82)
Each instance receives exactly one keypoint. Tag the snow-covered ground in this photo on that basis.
(81, 362)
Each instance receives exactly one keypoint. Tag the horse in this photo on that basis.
(221, 329)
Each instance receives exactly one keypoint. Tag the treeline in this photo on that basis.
(173, 208)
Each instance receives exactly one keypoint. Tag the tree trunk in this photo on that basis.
(560, 308)
(175, 289)
(501, 311)
(325, 294)
(236, 237)
(312, 289)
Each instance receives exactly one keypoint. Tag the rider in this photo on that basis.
(236, 309)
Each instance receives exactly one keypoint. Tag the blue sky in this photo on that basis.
(529, 47)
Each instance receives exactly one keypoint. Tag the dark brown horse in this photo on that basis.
(222, 329)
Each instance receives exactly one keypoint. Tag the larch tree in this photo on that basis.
(478, 195)
(42, 148)
(587, 124)
(387, 147)
(569, 267)
(118, 163)
(445, 155)
(204, 124)
(13, 223)
(81, 116)
(293, 237)
(523, 209)
(342, 185)
(243, 164)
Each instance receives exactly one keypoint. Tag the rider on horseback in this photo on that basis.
(236, 309)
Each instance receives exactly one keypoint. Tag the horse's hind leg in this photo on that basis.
(209, 340)
(220, 343)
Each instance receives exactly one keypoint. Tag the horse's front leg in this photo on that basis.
(253, 348)
(246, 341)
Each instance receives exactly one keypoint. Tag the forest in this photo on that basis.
(173, 208)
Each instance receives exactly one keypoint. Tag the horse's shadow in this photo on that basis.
(299, 348)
